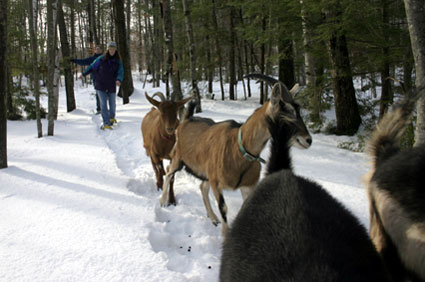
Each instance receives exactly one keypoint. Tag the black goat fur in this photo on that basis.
(291, 230)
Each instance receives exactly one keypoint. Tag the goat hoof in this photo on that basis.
(159, 188)
(172, 203)
(216, 222)
(162, 203)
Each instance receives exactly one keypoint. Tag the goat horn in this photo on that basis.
(160, 95)
(263, 77)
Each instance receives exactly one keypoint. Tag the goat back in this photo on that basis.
(210, 151)
(290, 229)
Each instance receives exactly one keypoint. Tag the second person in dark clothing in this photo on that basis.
(109, 73)
(86, 62)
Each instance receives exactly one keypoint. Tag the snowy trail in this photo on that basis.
(183, 233)
(83, 205)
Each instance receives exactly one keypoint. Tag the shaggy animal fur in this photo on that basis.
(292, 230)
(396, 192)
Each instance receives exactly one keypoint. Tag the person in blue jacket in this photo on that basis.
(86, 62)
(109, 74)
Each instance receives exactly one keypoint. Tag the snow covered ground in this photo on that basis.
(83, 205)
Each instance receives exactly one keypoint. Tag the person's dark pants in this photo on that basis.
(97, 104)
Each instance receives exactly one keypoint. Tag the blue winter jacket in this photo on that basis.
(86, 62)
(107, 71)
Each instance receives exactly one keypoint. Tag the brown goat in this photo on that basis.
(158, 131)
(217, 153)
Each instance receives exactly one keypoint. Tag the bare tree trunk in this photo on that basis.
(192, 55)
(386, 95)
(127, 87)
(310, 68)
(156, 52)
(72, 31)
(286, 63)
(232, 47)
(128, 18)
(142, 43)
(32, 12)
(346, 108)
(263, 95)
(245, 51)
(3, 83)
(416, 22)
(66, 56)
(51, 50)
(171, 56)
(218, 47)
(93, 36)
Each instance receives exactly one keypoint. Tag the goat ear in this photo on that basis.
(280, 93)
(275, 96)
(152, 101)
(182, 102)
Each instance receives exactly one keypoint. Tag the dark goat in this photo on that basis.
(225, 154)
(291, 230)
(158, 131)
(396, 193)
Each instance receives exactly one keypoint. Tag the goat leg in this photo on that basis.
(205, 188)
(222, 207)
(157, 169)
(171, 197)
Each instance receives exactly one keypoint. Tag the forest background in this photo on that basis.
(322, 45)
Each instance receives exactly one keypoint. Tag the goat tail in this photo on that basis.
(189, 110)
(263, 77)
(385, 139)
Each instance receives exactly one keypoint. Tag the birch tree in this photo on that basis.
(192, 55)
(32, 12)
(171, 63)
(416, 21)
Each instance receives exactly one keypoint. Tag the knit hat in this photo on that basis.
(112, 44)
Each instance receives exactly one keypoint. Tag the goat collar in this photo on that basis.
(167, 137)
(244, 152)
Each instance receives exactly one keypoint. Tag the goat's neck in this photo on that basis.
(255, 132)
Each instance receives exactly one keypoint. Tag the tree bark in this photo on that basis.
(218, 47)
(347, 114)
(171, 64)
(192, 55)
(93, 36)
(3, 83)
(416, 22)
(386, 95)
(232, 68)
(263, 95)
(286, 63)
(32, 12)
(127, 87)
(314, 97)
(66, 56)
(128, 18)
(51, 50)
